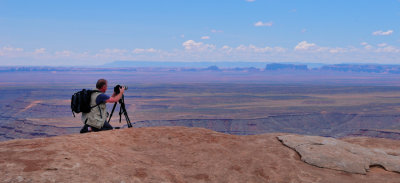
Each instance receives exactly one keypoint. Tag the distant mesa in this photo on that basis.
(212, 68)
(132, 66)
(356, 68)
(250, 69)
(368, 68)
(175, 64)
(275, 67)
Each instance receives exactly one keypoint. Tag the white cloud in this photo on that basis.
(140, 50)
(12, 49)
(366, 45)
(255, 49)
(382, 45)
(304, 45)
(263, 24)
(40, 51)
(338, 50)
(217, 31)
(205, 37)
(382, 33)
(199, 51)
(183, 35)
(250, 0)
(227, 48)
(113, 51)
(64, 53)
(388, 49)
(314, 48)
(191, 45)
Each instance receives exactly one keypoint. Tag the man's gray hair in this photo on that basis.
(100, 83)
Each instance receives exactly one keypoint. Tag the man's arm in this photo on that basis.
(115, 98)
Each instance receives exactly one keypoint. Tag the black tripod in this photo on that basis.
(122, 110)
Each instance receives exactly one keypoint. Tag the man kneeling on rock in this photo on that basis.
(97, 117)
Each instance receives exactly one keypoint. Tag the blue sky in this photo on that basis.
(96, 32)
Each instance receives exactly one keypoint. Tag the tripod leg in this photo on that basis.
(120, 113)
(128, 121)
(115, 104)
(123, 110)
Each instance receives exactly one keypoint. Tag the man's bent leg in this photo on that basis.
(106, 126)
(84, 129)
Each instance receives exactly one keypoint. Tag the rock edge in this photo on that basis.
(339, 155)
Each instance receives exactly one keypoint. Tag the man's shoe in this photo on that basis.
(84, 129)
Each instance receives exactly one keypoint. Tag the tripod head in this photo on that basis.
(118, 87)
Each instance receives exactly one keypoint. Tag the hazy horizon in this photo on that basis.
(198, 64)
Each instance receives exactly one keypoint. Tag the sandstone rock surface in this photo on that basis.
(171, 154)
(339, 155)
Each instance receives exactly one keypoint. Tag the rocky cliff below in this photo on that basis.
(181, 154)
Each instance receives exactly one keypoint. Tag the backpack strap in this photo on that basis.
(94, 91)
(101, 115)
(97, 105)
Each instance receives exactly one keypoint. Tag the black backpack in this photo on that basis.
(80, 101)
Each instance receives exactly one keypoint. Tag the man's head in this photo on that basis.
(101, 85)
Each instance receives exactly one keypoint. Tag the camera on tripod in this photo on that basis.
(118, 87)
(122, 109)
